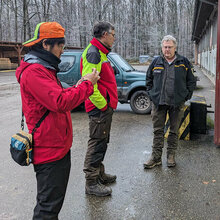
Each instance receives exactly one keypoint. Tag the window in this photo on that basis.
(66, 62)
(124, 64)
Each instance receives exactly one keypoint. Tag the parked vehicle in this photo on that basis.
(130, 82)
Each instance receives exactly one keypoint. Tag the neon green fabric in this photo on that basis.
(96, 98)
(35, 33)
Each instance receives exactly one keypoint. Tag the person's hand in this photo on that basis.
(93, 77)
(79, 81)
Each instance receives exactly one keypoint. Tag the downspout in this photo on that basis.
(217, 87)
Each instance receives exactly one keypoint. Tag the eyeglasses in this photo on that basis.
(113, 35)
(62, 46)
(168, 47)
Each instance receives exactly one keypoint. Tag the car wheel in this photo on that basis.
(140, 102)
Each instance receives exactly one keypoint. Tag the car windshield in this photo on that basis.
(123, 63)
(66, 62)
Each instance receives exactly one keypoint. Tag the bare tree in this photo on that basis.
(25, 18)
(1, 27)
(139, 24)
(46, 8)
(14, 7)
(83, 27)
(38, 10)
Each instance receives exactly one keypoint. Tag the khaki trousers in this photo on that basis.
(158, 115)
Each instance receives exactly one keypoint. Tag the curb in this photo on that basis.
(208, 75)
(2, 71)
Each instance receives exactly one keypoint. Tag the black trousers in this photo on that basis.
(52, 179)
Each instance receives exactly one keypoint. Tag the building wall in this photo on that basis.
(208, 60)
(207, 48)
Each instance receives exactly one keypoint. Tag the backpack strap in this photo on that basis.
(22, 120)
(37, 124)
(40, 121)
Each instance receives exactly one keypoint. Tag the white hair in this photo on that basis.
(168, 38)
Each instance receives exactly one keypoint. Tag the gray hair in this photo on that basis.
(168, 38)
(101, 27)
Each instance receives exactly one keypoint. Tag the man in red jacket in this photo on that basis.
(100, 108)
(41, 91)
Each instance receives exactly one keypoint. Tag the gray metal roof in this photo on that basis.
(204, 12)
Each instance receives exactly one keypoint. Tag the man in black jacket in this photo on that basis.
(170, 82)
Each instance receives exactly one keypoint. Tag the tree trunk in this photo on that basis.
(99, 8)
(83, 28)
(16, 19)
(1, 28)
(24, 19)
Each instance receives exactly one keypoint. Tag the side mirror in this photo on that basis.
(115, 70)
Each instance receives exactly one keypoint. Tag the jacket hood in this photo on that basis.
(20, 70)
(32, 58)
(28, 60)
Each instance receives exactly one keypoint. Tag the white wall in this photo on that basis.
(207, 48)
(207, 60)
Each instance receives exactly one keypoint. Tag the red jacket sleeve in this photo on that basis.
(44, 87)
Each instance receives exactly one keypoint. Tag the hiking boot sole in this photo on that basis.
(153, 165)
(171, 165)
(98, 194)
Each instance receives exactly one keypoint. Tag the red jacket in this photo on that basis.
(105, 94)
(41, 90)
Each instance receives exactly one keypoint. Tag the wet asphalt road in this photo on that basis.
(191, 190)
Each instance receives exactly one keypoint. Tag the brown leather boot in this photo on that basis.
(171, 160)
(97, 189)
(105, 178)
(152, 162)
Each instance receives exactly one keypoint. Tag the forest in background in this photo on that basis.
(139, 24)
